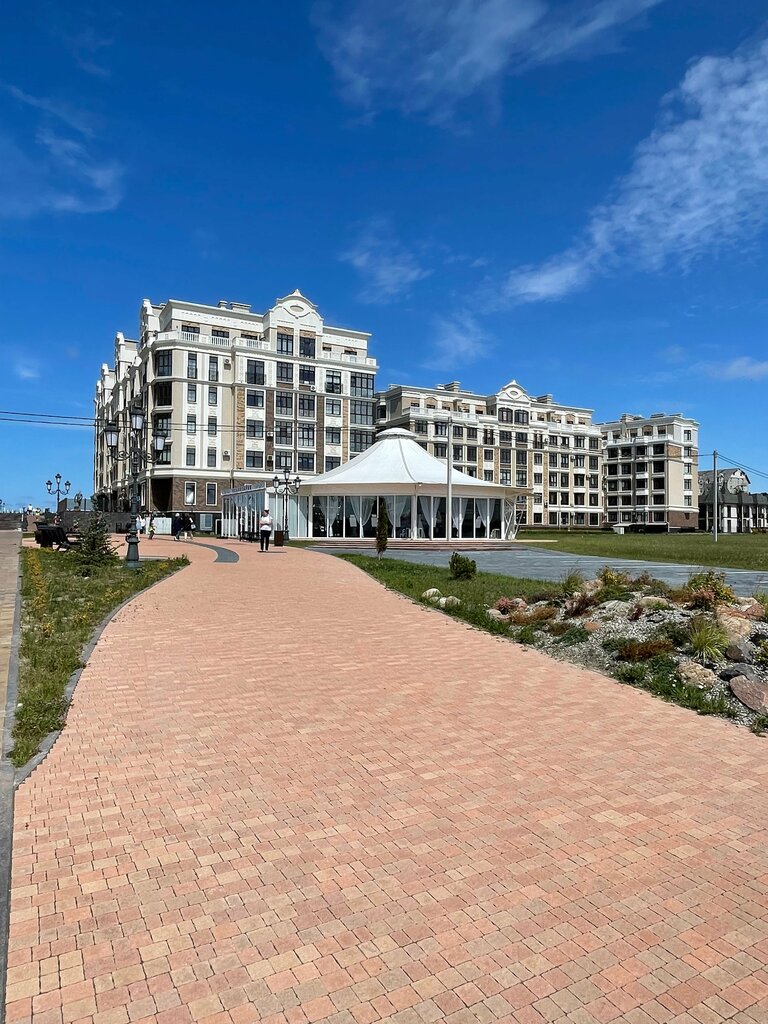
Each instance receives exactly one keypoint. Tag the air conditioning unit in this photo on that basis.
(227, 364)
(226, 455)
(270, 435)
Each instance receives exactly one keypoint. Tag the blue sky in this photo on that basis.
(572, 194)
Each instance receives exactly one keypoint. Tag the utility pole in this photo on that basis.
(715, 494)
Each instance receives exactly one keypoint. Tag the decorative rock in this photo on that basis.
(591, 587)
(431, 595)
(737, 627)
(616, 609)
(592, 626)
(739, 650)
(656, 603)
(740, 669)
(753, 693)
(750, 608)
(494, 613)
(696, 675)
(450, 602)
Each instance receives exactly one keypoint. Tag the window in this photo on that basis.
(213, 396)
(594, 500)
(213, 368)
(441, 429)
(163, 394)
(361, 413)
(488, 475)
(284, 460)
(190, 493)
(192, 365)
(191, 392)
(307, 375)
(216, 332)
(505, 437)
(332, 462)
(162, 424)
(564, 498)
(578, 441)
(552, 479)
(190, 461)
(488, 454)
(687, 435)
(332, 407)
(283, 433)
(254, 429)
(688, 453)
(521, 478)
(593, 462)
(191, 329)
(552, 460)
(441, 451)
(578, 480)
(458, 432)
(285, 373)
(578, 499)
(594, 444)
(283, 403)
(332, 435)
(307, 406)
(254, 372)
(471, 454)
(658, 499)
(333, 382)
(191, 424)
(521, 458)
(458, 452)
(210, 494)
(164, 363)
(361, 385)
(213, 426)
(687, 500)
(359, 440)
(505, 457)
(284, 343)
(578, 461)
(306, 346)
(254, 399)
(306, 462)
(687, 468)
(489, 437)
(538, 479)
(521, 416)
(471, 433)
(506, 416)
(565, 442)
(563, 479)
(211, 458)
(306, 435)
(420, 426)
(658, 449)
(520, 437)
(553, 497)
(538, 459)
(254, 460)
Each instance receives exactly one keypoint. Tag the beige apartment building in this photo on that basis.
(551, 452)
(239, 395)
(652, 471)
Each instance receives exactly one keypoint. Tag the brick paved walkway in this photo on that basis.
(285, 794)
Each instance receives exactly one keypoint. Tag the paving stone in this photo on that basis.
(286, 794)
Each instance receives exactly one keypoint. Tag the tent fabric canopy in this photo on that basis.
(397, 464)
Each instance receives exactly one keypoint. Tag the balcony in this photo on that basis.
(193, 338)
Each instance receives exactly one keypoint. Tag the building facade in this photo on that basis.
(652, 471)
(738, 510)
(550, 452)
(239, 395)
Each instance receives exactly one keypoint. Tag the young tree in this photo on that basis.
(382, 528)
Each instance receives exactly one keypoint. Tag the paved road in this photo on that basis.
(285, 794)
(541, 564)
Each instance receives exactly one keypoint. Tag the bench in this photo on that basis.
(48, 536)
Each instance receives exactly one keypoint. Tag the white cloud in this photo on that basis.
(53, 171)
(698, 183)
(673, 354)
(458, 340)
(27, 369)
(741, 368)
(388, 269)
(425, 56)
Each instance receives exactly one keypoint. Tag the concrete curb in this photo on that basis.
(7, 791)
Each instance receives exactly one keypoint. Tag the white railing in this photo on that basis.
(193, 338)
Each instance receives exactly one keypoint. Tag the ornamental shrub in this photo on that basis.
(462, 568)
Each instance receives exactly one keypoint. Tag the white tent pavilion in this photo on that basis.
(344, 503)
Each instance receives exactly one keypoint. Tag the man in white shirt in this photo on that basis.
(265, 529)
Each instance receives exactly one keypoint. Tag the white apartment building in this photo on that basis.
(652, 471)
(240, 395)
(550, 452)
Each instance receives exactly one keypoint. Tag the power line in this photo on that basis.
(740, 465)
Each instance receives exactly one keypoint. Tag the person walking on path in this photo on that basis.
(265, 529)
(176, 526)
(187, 526)
(151, 528)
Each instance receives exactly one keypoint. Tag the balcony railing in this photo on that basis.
(193, 338)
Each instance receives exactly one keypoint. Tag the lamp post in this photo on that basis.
(136, 457)
(285, 487)
(57, 489)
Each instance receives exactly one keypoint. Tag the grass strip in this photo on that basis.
(61, 607)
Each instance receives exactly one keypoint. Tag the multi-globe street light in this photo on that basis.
(137, 457)
(285, 487)
(57, 490)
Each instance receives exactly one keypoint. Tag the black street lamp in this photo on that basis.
(137, 457)
(285, 487)
(57, 490)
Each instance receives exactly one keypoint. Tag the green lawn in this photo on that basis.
(61, 607)
(733, 551)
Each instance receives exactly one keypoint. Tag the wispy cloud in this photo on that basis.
(673, 354)
(458, 340)
(57, 167)
(387, 267)
(425, 57)
(741, 368)
(27, 369)
(698, 183)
